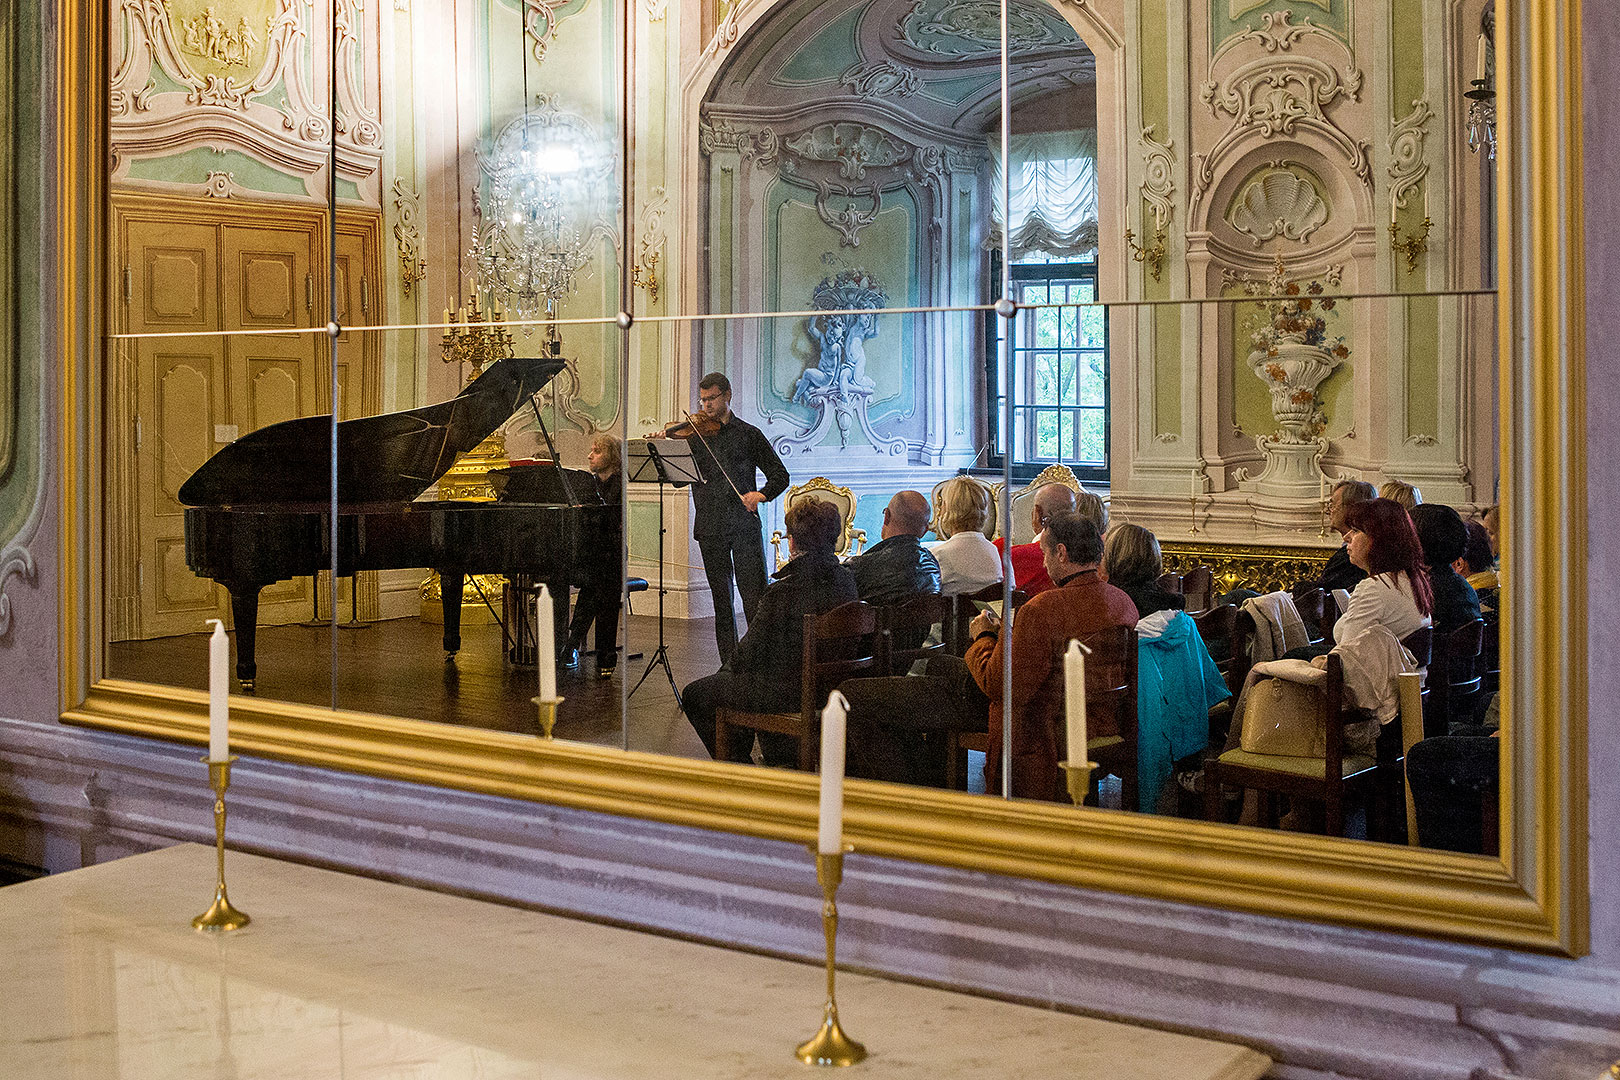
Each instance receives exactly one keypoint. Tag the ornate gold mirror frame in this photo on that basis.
(1534, 896)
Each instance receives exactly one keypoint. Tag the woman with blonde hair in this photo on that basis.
(1399, 491)
(968, 561)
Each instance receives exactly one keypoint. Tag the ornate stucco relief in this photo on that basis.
(408, 236)
(1158, 176)
(1277, 201)
(1407, 169)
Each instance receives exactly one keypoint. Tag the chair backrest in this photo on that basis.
(1111, 680)
(837, 645)
(1312, 604)
(1218, 628)
(1198, 586)
(1420, 643)
(1023, 499)
(904, 626)
(850, 539)
(1455, 676)
(966, 605)
(1169, 581)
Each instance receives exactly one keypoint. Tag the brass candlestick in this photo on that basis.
(221, 916)
(830, 1046)
(1193, 503)
(548, 713)
(1079, 779)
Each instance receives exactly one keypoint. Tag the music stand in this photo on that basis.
(668, 461)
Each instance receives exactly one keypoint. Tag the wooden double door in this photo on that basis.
(193, 268)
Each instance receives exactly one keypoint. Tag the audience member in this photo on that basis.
(1477, 561)
(1396, 592)
(968, 561)
(898, 567)
(766, 672)
(1401, 492)
(1029, 571)
(601, 598)
(1340, 572)
(1132, 563)
(1091, 507)
(1491, 519)
(1444, 538)
(1079, 603)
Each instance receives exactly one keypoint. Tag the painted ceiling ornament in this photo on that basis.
(852, 146)
(973, 27)
(881, 78)
(1277, 201)
(837, 387)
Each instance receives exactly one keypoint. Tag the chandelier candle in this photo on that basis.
(219, 675)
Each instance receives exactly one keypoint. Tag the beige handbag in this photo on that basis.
(1283, 716)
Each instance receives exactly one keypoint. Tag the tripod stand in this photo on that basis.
(670, 462)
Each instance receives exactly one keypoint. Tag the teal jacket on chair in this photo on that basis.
(1177, 683)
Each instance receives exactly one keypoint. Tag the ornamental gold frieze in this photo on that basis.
(1261, 567)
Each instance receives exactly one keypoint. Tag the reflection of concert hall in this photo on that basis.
(1198, 400)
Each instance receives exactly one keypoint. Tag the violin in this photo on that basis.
(702, 425)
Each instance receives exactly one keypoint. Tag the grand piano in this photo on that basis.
(259, 511)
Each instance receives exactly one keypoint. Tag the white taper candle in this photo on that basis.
(1479, 60)
(1074, 697)
(219, 689)
(830, 837)
(545, 646)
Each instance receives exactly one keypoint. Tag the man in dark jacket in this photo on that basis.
(1444, 538)
(898, 567)
(766, 672)
(1340, 573)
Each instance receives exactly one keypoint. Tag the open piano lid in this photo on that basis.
(389, 458)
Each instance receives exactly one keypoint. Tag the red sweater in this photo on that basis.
(1029, 567)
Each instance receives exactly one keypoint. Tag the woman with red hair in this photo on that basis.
(1396, 593)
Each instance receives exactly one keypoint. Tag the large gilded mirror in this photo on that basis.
(491, 365)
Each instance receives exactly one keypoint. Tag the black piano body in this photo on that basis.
(258, 511)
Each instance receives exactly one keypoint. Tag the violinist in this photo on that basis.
(730, 453)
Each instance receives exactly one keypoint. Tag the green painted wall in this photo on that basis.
(1230, 17)
(22, 93)
(193, 167)
(1422, 365)
(1168, 355)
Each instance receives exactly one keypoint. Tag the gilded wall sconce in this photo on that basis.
(1151, 254)
(1412, 246)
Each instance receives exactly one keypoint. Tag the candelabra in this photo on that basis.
(1150, 254)
(220, 916)
(1413, 245)
(471, 340)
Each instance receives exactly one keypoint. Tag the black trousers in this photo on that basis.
(897, 726)
(599, 604)
(740, 556)
(708, 695)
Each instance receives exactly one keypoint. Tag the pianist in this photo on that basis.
(601, 597)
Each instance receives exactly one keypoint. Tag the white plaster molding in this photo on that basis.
(1407, 169)
(1158, 175)
(851, 219)
(1275, 33)
(540, 22)
(408, 235)
(651, 235)
(1277, 202)
(220, 185)
(853, 147)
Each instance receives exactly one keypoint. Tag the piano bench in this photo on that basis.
(635, 584)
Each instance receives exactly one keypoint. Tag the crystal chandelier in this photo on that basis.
(1482, 93)
(548, 199)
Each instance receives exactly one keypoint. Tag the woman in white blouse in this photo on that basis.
(968, 561)
(1383, 542)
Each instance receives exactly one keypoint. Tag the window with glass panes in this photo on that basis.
(1059, 356)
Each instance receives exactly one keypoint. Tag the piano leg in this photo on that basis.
(559, 613)
(450, 586)
(245, 614)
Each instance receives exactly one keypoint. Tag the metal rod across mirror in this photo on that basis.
(1136, 307)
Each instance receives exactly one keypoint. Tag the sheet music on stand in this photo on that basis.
(667, 461)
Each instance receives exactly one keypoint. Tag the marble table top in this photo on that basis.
(347, 977)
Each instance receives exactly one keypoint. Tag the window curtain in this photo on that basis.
(1053, 191)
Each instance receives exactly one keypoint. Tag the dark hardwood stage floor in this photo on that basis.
(397, 667)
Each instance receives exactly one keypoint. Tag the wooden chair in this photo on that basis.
(912, 620)
(837, 645)
(965, 606)
(1169, 581)
(1219, 628)
(1198, 586)
(1313, 604)
(850, 539)
(1330, 779)
(1111, 692)
(1454, 678)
